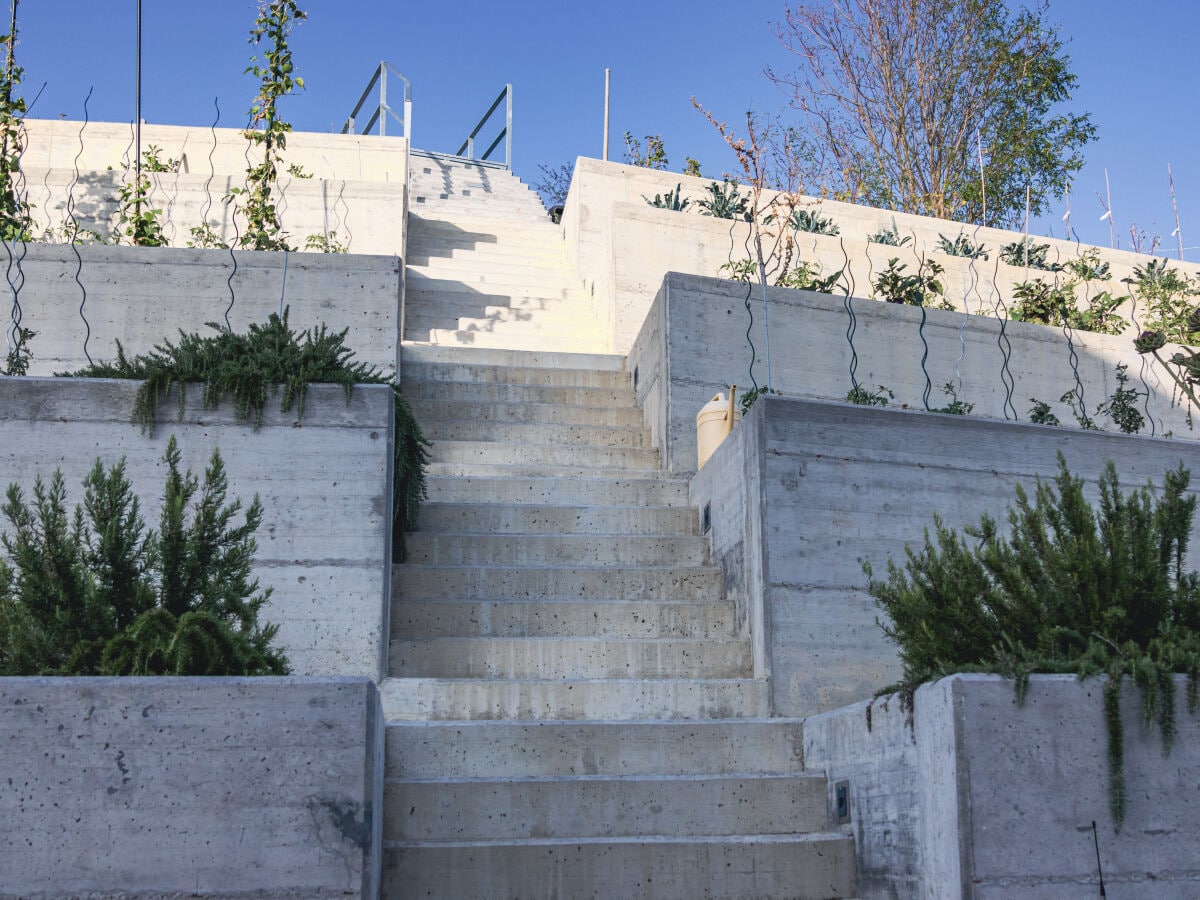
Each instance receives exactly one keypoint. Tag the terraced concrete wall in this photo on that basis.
(324, 481)
(142, 296)
(804, 492)
(693, 344)
(352, 188)
(198, 787)
(969, 795)
(622, 248)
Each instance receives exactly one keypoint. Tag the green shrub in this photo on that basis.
(1070, 589)
(98, 594)
(267, 359)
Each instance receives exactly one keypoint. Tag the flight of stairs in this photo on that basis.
(571, 708)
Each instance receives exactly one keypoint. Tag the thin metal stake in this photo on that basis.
(1096, 841)
(1175, 206)
(1112, 229)
(607, 74)
(137, 129)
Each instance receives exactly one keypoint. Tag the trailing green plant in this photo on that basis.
(325, 243)
(1040, 414)
(152, 160)
(16, 223)
(1027, 254)
(725, 202)
(889, 237)
(268, 131)
(812, 222)
(271, 359)
(98, 594)
(961, 246)
(743, 270)
(136, 217)
(672, 200)
(860, 395)
(1121, 407)
(1055, 304)
(918, 289)
(204, 237)
(747, 399)
(297, 171)
(1070, 589)
(955, 407)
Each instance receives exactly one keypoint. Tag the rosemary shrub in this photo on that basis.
(269, 359)
(1069, 589)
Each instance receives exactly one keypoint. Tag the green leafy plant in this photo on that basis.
(747, 399)
(806, 276)
(16, 361)
(1121, 407)
(268, 131)
(1088, 266)
(136, 218)
(204, 237)
(16, 223)
(1070, 589)
(266, 360)
(889, 237)
(1166, 294)
(654, 156)
(672, 200)
(1027, 254)
(1055, 304)
(98, 594)
(691, 167)
(325, 243)
(918, 289)
(1086, 422)
(725, 202)
(955, 407)
(1040, 414)
(861, 396)
(743, 270)
(297, 171)
(812, 222)
(961, 246)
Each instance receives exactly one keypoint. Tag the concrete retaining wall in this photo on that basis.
(803, 492)
(973, 796)
(198, 787)
(693, 344)
(144, 295)
(324, 481)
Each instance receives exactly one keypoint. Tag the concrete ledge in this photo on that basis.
(142, 296)
(973, 796)
(198, 787)
(324, 481)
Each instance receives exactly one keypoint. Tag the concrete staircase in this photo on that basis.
(571, 708)
(486, 267)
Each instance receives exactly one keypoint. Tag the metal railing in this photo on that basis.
(468, 147)
(382, 111)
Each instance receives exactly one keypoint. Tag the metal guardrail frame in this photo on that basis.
(468, 146)
(383, 110)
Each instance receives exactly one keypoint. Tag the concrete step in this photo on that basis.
(587, 456)
(562, 316)
(514, 359)
(424, 303)
(439, 548)
(415, 581)
(493, 228)
(534, 749)
(482, 412)
(555, 327)
(539, 488)
(425, 249)
(798, 867)
(535, 342)
(582, 374)
(561, 618)
(522, 518)
(519, 266)
(432, 699)
(633, 437)
(495, 290)
(472, 392)
(536, 469)
(430, 203)
(445, 809)
(569, 658)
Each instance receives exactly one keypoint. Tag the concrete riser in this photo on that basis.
(801, 868)
(544, 455)
(430, 411)
(556, 549)
(511, 375)
(568, 618)
(522, 519)
(599, 806)
(550, 749)
(414, 581)
(533, 433)
(491, 657)
(464, 699)
(484, 340)
(538, 490)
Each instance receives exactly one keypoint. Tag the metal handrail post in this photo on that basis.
(508, 129)
(383, 107)
(408, 118)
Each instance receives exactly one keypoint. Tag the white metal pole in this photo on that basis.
(607, 74)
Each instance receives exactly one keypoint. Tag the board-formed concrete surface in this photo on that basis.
(804, 492)
(324, 481)
(197, 787)
(971, 795)
(142, 296)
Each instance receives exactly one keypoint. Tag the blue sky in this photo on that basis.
(1137, 76)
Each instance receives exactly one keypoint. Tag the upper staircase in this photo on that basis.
(571, 705)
